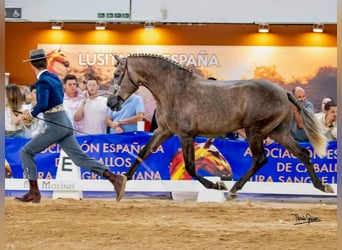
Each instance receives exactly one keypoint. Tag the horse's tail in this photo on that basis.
(312, 128)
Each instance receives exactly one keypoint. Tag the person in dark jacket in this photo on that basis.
(49, 92)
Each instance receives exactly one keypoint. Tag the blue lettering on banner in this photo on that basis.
(118, 152)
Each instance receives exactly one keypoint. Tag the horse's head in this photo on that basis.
(122, 85)
(58, 56)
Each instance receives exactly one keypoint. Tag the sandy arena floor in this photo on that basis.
(167, 224)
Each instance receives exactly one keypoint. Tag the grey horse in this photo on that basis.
(188, 105)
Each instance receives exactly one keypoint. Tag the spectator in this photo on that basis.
(14, 102)
(328, 120)
(73, 99)
(297, 127)
(323, 102)
(93, 109)
(39, 125)
(27, 97)
(126, 119)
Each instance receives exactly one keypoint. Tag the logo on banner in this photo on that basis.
(13, 13)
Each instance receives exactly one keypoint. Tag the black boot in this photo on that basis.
(118, 181)
(33, 194)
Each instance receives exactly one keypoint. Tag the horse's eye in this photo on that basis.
(116, 74)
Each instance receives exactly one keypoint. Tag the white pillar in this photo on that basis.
(67, 171)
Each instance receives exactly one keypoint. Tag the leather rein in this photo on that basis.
(118, 85)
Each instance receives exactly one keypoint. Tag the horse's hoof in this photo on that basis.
(221, 186)
(328, 189)
(231, 196)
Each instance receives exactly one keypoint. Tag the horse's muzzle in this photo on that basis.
(114, 103)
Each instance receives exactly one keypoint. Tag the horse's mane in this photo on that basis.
(163, 58)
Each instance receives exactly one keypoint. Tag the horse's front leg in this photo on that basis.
(189, 160)
(259, 160)
(159, 136)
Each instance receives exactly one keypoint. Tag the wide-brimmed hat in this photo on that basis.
(36, 54)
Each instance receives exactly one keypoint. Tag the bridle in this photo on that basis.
(117, 86)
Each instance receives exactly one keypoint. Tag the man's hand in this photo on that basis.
(294, 108)
(118, 130)
(268, 141)
(8, 170)
(27, 117)
(85, 96)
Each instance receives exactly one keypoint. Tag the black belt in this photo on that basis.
(55, 109)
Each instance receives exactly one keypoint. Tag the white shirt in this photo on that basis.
(330, 133)
(72, 105)
(94, 115)
(9, 126)
(37, 127)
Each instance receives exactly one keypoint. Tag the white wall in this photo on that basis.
(68, 10)
(194, 11)
(236, 11)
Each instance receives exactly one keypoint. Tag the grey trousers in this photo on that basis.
(57, 134)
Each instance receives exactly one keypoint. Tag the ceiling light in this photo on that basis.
(57, 25)
(100, 26)
(149, 25)
(264, 28)
(318, 27)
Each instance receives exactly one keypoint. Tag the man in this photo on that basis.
(49, 91)
(297, 126)
(328, 120)
(127, 118)
(323, 102)
(93, 109)
(72, 100)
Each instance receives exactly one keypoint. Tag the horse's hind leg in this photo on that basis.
(159, 136)
(304, 156)
(189, 160)
(259, 159)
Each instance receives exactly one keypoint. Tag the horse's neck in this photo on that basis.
(51, 65)
(163, 92)
(159, 87)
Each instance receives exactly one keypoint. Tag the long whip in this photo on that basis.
(52, 122)
(61, 125)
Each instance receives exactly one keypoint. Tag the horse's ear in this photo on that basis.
(118, 58)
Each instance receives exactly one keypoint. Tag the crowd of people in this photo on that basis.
(87, 109)
(326, 117)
